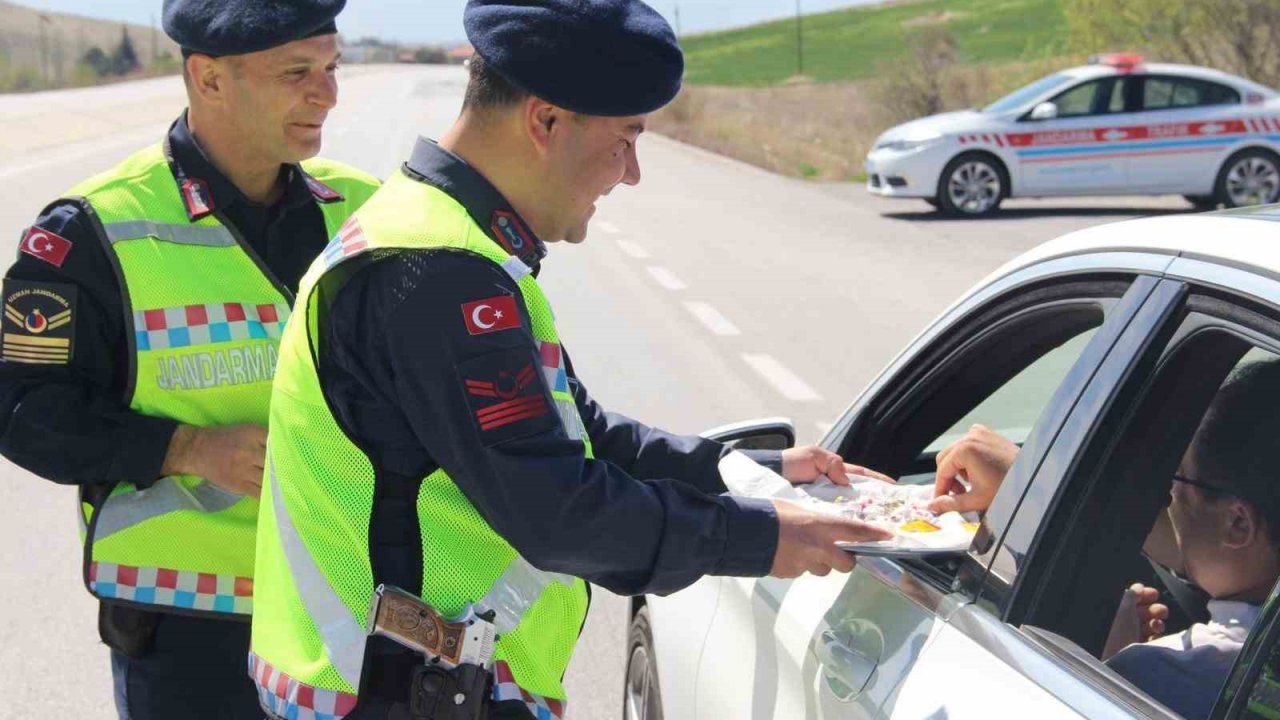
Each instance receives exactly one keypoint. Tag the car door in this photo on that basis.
(978, 657)
(1186, 127)
(1080, 534)
(1081, 149)
(837, 646)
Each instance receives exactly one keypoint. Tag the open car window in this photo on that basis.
(1018, 359)
(1008, 358)
(1184, 441)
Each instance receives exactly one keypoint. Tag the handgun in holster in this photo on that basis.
(454, 682)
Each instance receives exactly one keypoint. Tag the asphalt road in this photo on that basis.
(713, 292)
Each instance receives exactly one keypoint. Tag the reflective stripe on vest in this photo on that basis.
(201, 235)
(342, 633)
(166, 496)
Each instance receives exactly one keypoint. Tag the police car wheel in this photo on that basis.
(972, 185)
(1250, 177)
(640, 698)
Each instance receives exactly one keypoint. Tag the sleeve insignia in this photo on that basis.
(39, 323)
(506, 395)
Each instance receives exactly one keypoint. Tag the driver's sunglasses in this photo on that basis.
(1199, 484)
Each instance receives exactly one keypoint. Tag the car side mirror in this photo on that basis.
(764, 434)
(1044, 111)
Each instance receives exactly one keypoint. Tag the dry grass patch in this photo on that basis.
(804, 130)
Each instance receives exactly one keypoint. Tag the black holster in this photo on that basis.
(463, 693)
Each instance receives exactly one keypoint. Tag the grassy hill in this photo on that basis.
(66, 39)
(859, 42)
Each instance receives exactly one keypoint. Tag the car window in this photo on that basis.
(1013, 408)
(1026, 94)
(1165, 93)
(1007, 359)
(1263, 692)
(1119, 91)
(1081, 99)
(1185, 441)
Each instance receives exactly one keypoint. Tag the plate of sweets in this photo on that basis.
(904, 509)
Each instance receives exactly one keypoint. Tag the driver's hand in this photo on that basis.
(982, 457)
(1139, 619)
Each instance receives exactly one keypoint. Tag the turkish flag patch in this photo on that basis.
(507, 395)
(491, 315)
(48, 246)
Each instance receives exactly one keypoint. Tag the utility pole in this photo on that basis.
(44, 48)
(155, 52)
(799, 41)
(678, 31)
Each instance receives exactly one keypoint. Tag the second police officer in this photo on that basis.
(428, 430)
(142, 320)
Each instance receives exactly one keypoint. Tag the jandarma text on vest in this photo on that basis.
(217, 368)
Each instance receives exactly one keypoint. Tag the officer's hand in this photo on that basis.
(230, 457)
(982, 457)
(807, 541)
(808, 463)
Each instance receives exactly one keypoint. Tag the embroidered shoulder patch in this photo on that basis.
(491, 315)
(507, 395)
(46, 245)
(39, 323)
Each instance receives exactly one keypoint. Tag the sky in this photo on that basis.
(440, 21)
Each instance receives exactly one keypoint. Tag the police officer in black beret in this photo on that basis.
(435, 436)
(142, 319)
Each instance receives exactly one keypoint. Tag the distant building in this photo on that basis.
(368, 50)
(460, 55)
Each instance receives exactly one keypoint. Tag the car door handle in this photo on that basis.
(845, 670)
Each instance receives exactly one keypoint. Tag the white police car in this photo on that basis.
(1116, 127)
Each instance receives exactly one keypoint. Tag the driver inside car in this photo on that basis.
(1222, 529)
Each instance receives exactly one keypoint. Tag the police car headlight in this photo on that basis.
(909, 144)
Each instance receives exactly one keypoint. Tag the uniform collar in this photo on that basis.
(436, 166)
(206, 190)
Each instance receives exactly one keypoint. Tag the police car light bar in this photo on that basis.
(1120, 61)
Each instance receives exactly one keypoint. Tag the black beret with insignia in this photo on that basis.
(597, 57)
(236, 27)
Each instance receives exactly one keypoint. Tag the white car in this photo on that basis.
(1098, 353)
(1116, 127)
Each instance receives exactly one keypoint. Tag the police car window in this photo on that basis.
(1170, 93)
(1119, 90)
(1024, 95)
(1081, 99)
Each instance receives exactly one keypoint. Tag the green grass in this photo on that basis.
(860, 42)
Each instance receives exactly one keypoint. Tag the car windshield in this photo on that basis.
(1025, 94)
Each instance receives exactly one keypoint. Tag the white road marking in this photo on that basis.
(608, 227)
(712, 319)
(80, 149)
(633, 250)
(666, 278)
(781, 378)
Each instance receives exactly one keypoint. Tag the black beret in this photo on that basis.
(236, 27)
(596, 57)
